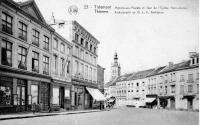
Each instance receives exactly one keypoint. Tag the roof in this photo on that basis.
(156, 71)
(140, 74)
(118, 79)
(76, 23)
(178, 66)
(32, 9)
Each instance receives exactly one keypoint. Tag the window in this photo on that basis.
(82, 69)
(55, 43)
(90, 73)
(82, 54)
(56, 96)
(197, 88)
(137, 84)
(197, 60)
(35, 62)
(62, 48)
(76, 51)
(76, 37)
(46, 65)
(86, 44)
(68, 67)
(46, 43)
(90, 59)
(90, 47)
(34, 93)
(5, 91)
(95, 61)
(35, 37)
(86, 72)
(165, 89)
(82, 40)
(7, 23)
(6, 53)
(62, 66)
(68, 50)
(173, 89)
(190, 88)
(55, 63)
(190, 77)
(22, 33)
(182, 78)
(22, 55)
(95, 50)
(86, 56)
(76, 67)
(181, 89)
(193, 60)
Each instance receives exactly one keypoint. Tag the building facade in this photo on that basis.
(61, 72)
(178, 85)
(25, 45)
(84, 60)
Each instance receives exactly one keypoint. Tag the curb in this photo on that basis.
(43, 115)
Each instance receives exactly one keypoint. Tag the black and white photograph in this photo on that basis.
(99, 62)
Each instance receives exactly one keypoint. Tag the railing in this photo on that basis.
(22, 66)
(45, 72)
(190, 81)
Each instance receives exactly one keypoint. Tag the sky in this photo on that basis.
(141, 41)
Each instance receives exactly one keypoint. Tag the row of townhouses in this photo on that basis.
(51, 66)
(175, 86)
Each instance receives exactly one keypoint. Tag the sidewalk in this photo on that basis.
(31, 115)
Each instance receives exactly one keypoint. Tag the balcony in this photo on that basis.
(36, 43)
(190, 81)
(22, 66)
(23, 37)
(35, 70)
(46, 72)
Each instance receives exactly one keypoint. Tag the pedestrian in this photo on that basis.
(100, 105)
(33, 107)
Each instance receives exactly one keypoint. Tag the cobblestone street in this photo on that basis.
(118, 116)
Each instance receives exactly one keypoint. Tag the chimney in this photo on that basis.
(170, 64)
(191, 54)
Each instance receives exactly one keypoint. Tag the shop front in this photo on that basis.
(151, 101)
(20, 90)
(97, 100)
(61, 97)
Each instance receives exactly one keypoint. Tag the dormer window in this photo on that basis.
(193, 60)
(82, 41)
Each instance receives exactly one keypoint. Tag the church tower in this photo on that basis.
(115, 68)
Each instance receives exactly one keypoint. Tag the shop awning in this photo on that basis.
(149, 100)
(96, 94)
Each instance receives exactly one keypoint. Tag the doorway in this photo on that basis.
(172, 103)
(190, 103)
(45, 95)
(62, 97)
(22, 95)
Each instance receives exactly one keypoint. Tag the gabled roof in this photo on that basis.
(178, 66)
(156, 71)
(32, 9)
(118, 79)
(140, 74)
